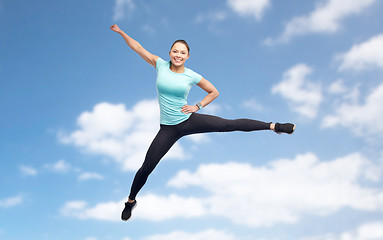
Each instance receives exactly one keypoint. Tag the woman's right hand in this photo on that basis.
(115, 28)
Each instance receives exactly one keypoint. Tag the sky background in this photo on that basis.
(78, 110)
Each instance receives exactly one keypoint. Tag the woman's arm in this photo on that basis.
(136, 46)
(209, 88)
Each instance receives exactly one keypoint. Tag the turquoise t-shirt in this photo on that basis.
(173, 90)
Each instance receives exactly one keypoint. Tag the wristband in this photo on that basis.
(199, 105)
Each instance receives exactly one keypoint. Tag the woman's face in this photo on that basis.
(178, 54)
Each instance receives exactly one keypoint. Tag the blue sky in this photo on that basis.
(79, 109)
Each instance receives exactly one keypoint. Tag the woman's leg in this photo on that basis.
(161, 144)
(202, 123)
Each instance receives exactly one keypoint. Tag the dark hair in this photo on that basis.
(183, 42)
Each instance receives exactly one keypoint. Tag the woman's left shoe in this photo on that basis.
(127, 212)
(288, 128)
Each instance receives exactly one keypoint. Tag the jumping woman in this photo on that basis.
(177, 119)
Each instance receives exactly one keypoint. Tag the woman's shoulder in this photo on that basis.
(160, 63)
(195, 76)
(191, 71)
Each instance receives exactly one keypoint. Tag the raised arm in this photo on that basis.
(136, 46)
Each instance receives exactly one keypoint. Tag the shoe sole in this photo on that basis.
(130, 213)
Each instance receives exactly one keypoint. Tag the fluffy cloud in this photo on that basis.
(28, 171)
(123, 135)
(121, 7)
(89, 176)
(109, 211)
(359, 118)
(152, 207)
(156, 208)
(212, 108)
(211, 17)
(148, 29)
(280, 192)
(337, 87)
(60, 166)
(10, 202)
(368, 231)
(344, 92)
(326, 18)
(303, 96)
(251, 104)
(210, 234)
(286, 189)
(363, 56)
(254, 8)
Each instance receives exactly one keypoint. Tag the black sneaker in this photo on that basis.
(127, 212)
(284, 128)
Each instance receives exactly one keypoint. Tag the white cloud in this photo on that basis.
(323, 237)
(363, 56)
(212, 108)
(152, 207)
(210, 234)
(109, 211)
(280, 192)
(326, 18)
(253, 8)
(359, 118)
(121, 7)
(368, 231)
(10, 202)
(148, 29)
(28, 171)
(303, 96)
(158, 208)
(123, 135)
(373, 230)
(216, 16)
(198, 138)
(251, 104)
(89, 176)
(73, 205)
(90, 238)
(284, 190)
(211, 19)
(60, 166)
(339, 88)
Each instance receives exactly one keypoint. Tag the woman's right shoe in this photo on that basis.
(127, 212)
(288, 128)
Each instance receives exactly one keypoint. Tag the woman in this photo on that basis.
(177, 119)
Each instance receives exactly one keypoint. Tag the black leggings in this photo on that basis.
(169, 134)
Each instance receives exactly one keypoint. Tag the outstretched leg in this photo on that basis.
(203, 123)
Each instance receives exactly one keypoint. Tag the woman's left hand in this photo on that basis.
(189, 109)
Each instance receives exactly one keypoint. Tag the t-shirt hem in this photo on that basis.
(175, 123)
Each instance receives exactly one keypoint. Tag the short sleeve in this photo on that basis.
(196, 77)
(160, 63)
